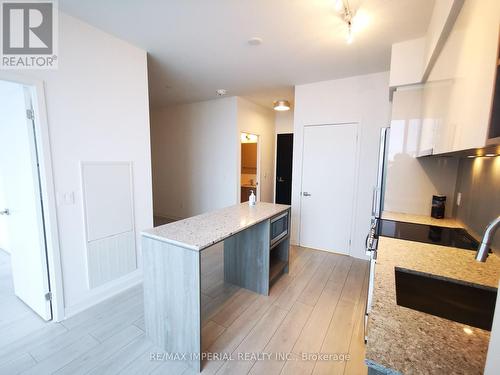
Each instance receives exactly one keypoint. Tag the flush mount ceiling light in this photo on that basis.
(255, 41)
(355, 20)
(221, 92)
(281, 105)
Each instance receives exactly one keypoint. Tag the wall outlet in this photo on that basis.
(459, 198)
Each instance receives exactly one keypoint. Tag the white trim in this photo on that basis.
(106, 291)
(48, 190)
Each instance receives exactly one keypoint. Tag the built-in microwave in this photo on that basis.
(279, 227)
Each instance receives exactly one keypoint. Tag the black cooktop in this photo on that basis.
(454, 237)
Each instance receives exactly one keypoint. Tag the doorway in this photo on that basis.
(249, 171)
(328, 187)
(284, 156)
(23, 242)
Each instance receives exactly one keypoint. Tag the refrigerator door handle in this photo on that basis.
(374, 201)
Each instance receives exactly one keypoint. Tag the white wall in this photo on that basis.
(98, 110)
(362, 99)
(283, 121)
(195, 157)
(4, 239)
(255, 119)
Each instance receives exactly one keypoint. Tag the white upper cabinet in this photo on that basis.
(412, 60)
(457, 62)
(459, 90)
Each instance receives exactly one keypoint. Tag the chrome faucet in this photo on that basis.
(489, 233)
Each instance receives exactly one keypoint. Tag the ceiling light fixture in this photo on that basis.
(221, 92)
(255, 41)
(281, 105)
(489, 155)
(348, 15)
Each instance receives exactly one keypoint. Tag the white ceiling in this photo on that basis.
(199, 46)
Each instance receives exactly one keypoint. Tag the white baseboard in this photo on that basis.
(104, 292)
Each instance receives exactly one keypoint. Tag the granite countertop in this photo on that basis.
(421, 219)
(402, 340)
(199, 232)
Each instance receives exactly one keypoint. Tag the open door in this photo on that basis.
(249, 180)
(21, 202)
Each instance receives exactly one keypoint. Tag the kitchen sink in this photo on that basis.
(456, 300)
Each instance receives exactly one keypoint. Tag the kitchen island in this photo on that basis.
(256, 248)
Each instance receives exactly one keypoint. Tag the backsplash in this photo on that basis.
(479, 182)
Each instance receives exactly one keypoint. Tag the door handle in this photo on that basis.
(5, 212)
(280, 179)
(306, 194)
(374, 200)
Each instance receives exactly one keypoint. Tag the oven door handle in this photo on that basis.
(274, 219)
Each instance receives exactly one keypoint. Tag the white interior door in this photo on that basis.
(328, 184)
(21, 197)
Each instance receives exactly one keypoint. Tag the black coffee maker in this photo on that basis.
(438, 205)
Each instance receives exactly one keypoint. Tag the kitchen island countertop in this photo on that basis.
(201, 231)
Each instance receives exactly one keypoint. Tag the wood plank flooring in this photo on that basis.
(317, 308)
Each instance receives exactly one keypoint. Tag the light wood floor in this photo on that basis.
(317, 308)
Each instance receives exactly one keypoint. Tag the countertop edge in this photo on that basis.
(173, 242)
(203, 247)
(380, 368)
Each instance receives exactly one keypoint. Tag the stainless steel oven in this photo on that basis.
(279, 227)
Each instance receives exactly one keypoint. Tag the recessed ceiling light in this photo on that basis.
(221, 92)
(489, 155)
(255, 41)
(471, 156)
(281, 105)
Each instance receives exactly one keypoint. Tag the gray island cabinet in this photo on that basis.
(256, 249)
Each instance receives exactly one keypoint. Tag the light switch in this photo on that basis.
(459, 199)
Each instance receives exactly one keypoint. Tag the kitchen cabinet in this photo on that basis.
(458, 95)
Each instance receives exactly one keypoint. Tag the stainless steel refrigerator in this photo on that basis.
(377, 209)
